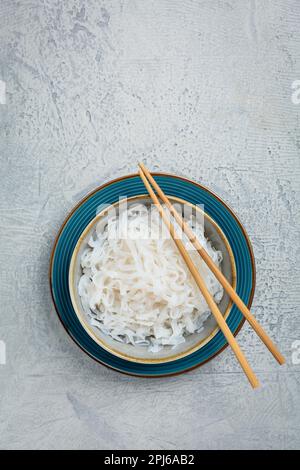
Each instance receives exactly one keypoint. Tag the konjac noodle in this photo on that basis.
(135, 285)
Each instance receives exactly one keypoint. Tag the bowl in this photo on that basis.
(138, 353)
(109, 193)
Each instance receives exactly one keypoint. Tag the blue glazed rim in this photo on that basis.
(131, 185)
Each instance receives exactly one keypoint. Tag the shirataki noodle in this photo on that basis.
(135, 286)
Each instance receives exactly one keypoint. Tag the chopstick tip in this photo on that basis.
(254, 382)
(141, 165)
(141, 173)
(282, 360)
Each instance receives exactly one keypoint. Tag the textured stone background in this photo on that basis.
(198, 88)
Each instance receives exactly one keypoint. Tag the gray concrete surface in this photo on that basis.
(199, 88)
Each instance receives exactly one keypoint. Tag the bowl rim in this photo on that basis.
(78, 310)
(103, 186)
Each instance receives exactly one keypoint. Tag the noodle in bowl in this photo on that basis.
(131, 289)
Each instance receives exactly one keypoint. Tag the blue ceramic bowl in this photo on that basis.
(131, 186)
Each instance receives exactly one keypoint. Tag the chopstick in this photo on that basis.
(219, 275)
(201, 284)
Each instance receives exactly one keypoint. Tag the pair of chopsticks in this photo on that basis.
(147, 179)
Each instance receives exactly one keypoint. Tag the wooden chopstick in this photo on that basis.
(217, 272)
(201, 284)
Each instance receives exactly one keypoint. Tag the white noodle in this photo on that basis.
(137, 289)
